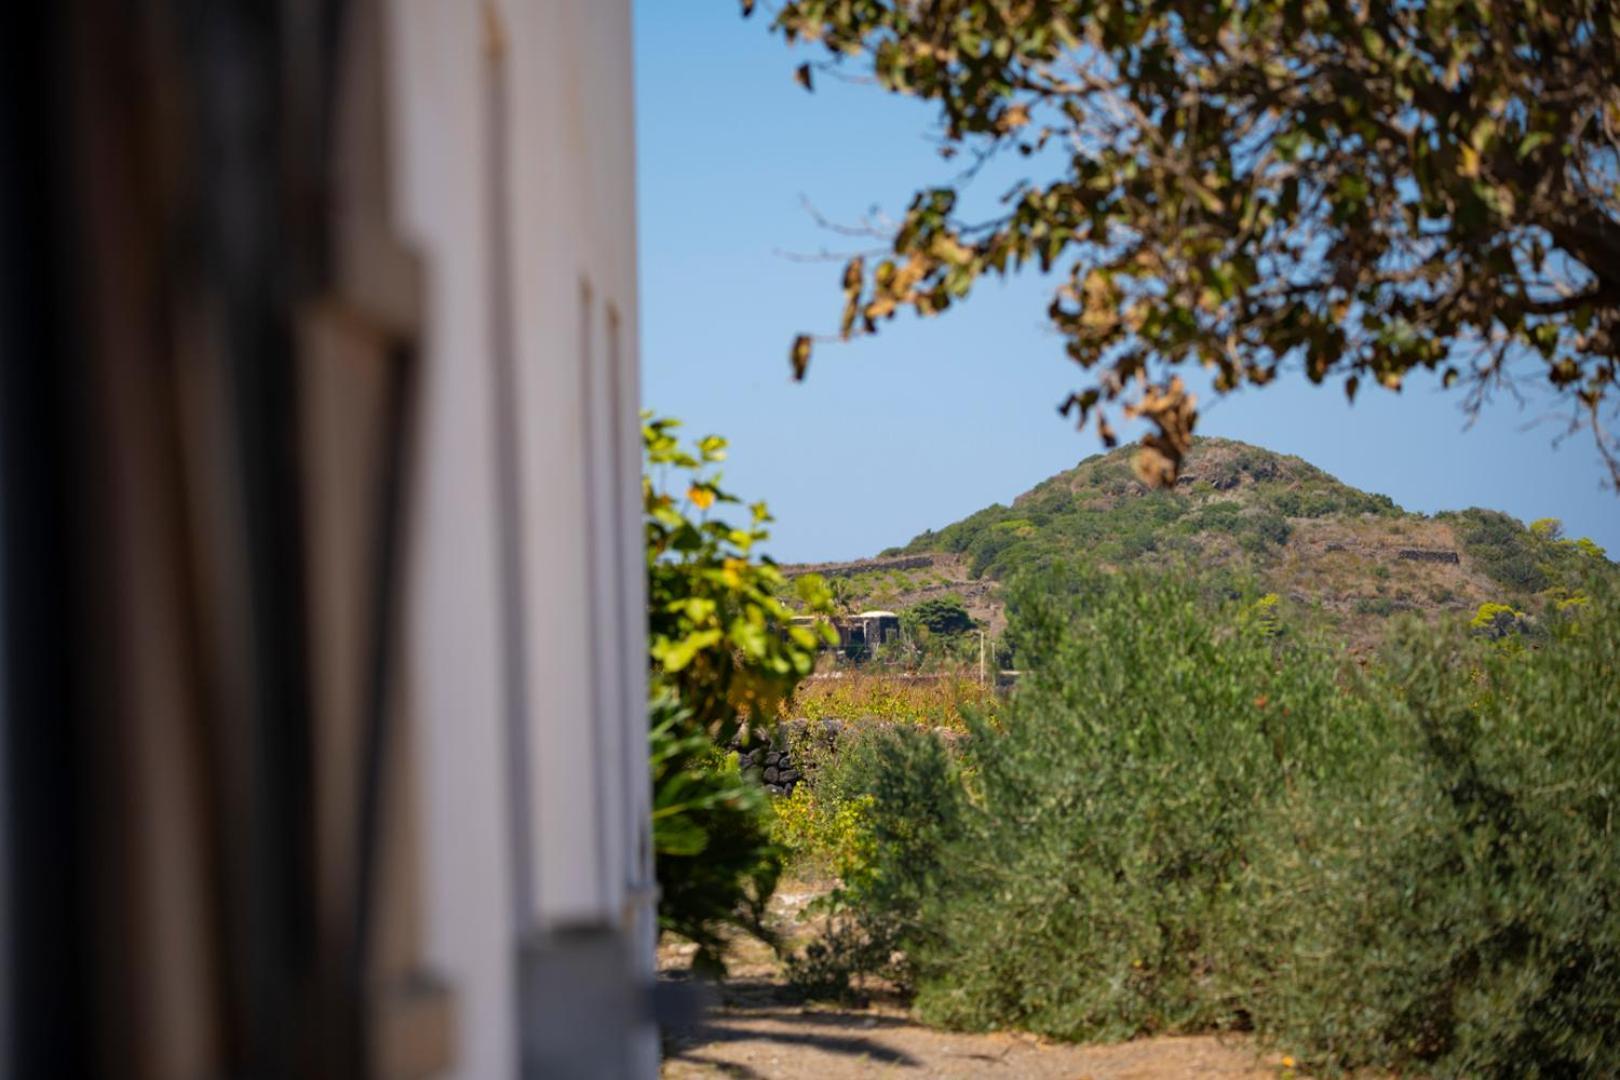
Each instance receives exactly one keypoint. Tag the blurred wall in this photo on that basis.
(525, 660)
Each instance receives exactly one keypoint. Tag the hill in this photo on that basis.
(1239, 516)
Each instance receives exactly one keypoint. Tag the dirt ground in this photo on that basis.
(759, 1029)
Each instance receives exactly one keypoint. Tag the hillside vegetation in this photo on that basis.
(1183, 821)
(1246, 520)
(1198, 811)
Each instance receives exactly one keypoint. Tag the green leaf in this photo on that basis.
(682, 652)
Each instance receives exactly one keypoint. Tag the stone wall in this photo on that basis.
(774, 766)
(863, 566)
(774, 763)
(1434, 555)
(1371, 551)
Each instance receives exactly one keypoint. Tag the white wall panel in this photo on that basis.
(572, 216)
(453, 662)
(535, 807)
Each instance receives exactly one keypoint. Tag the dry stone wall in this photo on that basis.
(1428, 555)
(863, 566)
(775, 763)
(1379, 552)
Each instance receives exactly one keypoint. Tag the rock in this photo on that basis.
(788, 776)
(771, 774)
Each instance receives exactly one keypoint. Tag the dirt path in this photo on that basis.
(788, 1043)
(760, 1030)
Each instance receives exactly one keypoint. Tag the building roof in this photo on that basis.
(875, 614)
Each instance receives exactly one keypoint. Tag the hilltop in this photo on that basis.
(1335, 555)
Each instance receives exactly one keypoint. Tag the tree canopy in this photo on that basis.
(1354, 190)
(941, 615)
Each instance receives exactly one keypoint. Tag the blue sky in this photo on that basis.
(934, 419)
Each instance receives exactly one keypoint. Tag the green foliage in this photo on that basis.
(1495, 619)
(1116, 803)
(716, 863)
(905, 784)
(1504, 548)
(1527, 560)
(825, 834)
(1374, 605)
(1468, 915)
(1318, 501)
(1060, 526)
(1360, 191)
(1185, 824)
(1264, 616)
(1586, 546)
(941, 615)
(1098, 512)
(719, 635)
(1272, 529)
(723, 656)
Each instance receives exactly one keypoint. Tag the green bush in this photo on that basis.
(1185, 823)
(905, 787)
(1462, 906)
(716, 863)
(1092, 893)
(940, 615)
(1510, 553)
(722, 656)
(1135, 546)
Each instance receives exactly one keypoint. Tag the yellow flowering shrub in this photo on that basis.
(823, 835)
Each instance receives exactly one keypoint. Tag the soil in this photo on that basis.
(755, 1026)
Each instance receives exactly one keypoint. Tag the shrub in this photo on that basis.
(1469, 920)
(1225, 516)
(1091, 893)
(1137, 545)
(1184, 824)
(910, 801)
(1504, 548)
(722, 656)
(719, 635)
(941, 615)
(1274, 528)
(1289, 503)
(823, 834)
(716, 864)
(1496, 620)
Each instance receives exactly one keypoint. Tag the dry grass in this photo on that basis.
(933, 701)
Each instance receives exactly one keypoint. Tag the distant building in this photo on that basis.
(857, 633)
(870, 629)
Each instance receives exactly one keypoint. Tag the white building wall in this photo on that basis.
(454, 654)
(556, 840)
(574, 281)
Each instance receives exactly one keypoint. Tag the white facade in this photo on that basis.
(525, 656)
